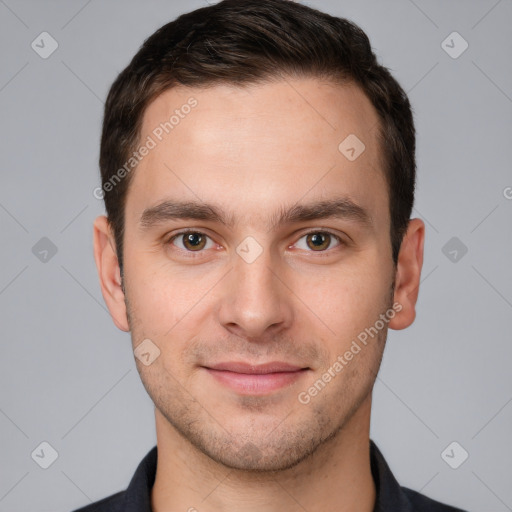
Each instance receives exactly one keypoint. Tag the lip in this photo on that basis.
(250, 379)
(255, 369)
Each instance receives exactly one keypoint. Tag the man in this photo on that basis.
(258, 173)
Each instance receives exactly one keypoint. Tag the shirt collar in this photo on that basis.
(389, 494)
(137, 497)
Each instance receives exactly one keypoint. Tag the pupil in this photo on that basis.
(194, 239)
(318, 240)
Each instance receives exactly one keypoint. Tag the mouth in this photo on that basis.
(249, 379)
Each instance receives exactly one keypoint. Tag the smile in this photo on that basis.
(248, 379)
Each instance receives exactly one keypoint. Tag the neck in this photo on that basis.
(337, 476)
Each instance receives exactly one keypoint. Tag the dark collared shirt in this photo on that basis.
(391, 497)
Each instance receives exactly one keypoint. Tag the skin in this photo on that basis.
(252, 151)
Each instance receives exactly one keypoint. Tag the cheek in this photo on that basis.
(169, 308)
(158, 296)
(351, 300)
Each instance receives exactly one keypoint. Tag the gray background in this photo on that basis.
(68, 376)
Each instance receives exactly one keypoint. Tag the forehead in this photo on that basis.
(264, 108)
(256, 147)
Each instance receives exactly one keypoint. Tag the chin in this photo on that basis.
(252, 459)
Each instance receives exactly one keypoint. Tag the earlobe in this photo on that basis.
(109, 272)
(407, 279)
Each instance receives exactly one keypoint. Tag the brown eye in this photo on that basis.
(318, 241)
(192, 241)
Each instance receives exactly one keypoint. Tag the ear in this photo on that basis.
(407, 278)
(109, 272)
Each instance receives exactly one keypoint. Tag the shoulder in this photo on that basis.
(422, 503)
(109, 504)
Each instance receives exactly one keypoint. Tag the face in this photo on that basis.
(256, 255)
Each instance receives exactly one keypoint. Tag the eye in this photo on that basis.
(196, 241)
(191, 241)
(319, 241)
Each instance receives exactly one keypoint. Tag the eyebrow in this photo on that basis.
(340, 208)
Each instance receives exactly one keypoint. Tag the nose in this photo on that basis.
(256, 301)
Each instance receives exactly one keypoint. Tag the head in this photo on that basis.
(268, 131)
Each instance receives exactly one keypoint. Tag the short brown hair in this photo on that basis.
(250, 41)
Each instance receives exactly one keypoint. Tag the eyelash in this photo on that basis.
(192, 253)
